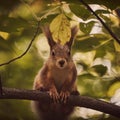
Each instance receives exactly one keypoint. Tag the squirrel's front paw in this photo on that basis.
(54, 95)
(64, 96)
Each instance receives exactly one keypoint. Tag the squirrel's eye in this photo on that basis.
(53, 53)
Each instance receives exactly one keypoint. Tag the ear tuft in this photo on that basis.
(74, 31)
(48, 35)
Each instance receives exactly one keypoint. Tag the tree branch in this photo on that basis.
(27, 49)
(82, 101)
(105, 26)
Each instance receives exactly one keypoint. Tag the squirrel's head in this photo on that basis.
(60, 55)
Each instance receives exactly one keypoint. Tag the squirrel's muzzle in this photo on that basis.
(61, 63)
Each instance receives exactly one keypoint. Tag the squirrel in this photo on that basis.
(58, 78)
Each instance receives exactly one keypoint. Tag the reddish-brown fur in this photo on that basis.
(58, 78)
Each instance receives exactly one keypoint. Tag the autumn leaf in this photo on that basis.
(60, 28)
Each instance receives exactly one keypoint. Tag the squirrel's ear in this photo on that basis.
(48, 34)
(74, 31)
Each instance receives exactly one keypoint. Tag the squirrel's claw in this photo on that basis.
(54, 95)
(64, 96)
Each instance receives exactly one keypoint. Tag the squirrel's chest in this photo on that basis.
(59, 77)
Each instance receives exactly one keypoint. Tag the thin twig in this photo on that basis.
(27, 49)
(106, 27)
(74, 100)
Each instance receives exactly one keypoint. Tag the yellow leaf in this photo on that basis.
(113, 88)
(117, 46)
(60, 28)
(4, 35)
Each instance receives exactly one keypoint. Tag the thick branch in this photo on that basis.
(82, 101)
(102, 22)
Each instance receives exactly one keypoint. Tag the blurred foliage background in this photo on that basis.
(95, 52)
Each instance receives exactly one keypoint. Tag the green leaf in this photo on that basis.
(116, 31)
(48, 19)
(87, 76)
(60, 28)
(93, 42)
(100, 52)
(73, 1)
(108, 3)
(5, 45)
(86, 27)
(104, 49)
(50, 10)
(9, 24)
(80, 11)
(113, 88)
(87, 44)
(107, 20)
(117, 46)
(102, 12)
(99, 69)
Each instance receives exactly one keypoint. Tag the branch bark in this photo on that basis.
(82, 101)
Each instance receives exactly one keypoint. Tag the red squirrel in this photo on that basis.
(58, 78)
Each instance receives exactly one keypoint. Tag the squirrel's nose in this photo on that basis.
(61, 62)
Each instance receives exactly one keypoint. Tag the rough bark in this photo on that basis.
(82, 101)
